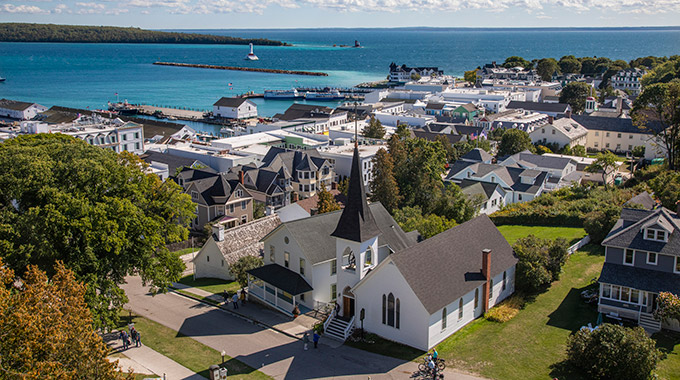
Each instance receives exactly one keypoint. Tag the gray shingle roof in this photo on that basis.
(640, 278)
(230, 102)
(485, 189)
(477, 155)
(313, 234)
(643, 199)
(628, 234)
(539, 107)
(612, 124)
(446, 266)
(174, 162)
(14, 105)
(244, 240)
(542, 161)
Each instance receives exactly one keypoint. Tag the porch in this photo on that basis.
(279, 288)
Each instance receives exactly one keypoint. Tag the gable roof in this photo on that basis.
(627, 232)
(541, 161)
(301, 111)
(244, 240)
(643, 199)
(486, 189)
(282, 278)
(477, 155)
(569, 127)
(508, 174)
(230, 102)
(173, 162)
(14, 105)
(432, 136)
(613, 124)
(539, 107)
(313, 234)
(448, 265)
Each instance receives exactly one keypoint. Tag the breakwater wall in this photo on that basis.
(235, 68)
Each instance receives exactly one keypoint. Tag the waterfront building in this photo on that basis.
(628, 80)
(235, 108)
(620, 135)
(17, 110)
(404, 73)
(498, 72)
(526, 121)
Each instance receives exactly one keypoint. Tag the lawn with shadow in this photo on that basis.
(669, 343)
(212, 285)
(513, 232)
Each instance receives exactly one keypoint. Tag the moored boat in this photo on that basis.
(251, 56)
(281, 94)
(327, 95)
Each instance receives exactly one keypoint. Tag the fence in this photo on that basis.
(579, 244)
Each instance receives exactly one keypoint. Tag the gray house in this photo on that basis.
(642, 259)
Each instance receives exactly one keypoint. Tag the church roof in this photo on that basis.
(356, 222)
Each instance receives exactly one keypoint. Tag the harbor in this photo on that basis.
(238, 68)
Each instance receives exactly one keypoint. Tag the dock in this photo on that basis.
(236, 68)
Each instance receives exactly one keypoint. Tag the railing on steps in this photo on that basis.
(328, 320)
(348, 329)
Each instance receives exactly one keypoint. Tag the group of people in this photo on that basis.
(315, 338)
(238, 296)
(432, 365)
(134, 335)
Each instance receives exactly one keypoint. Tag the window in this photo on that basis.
(334, 267)
(607, 145)
(302, 266)
(505, 280)
(136, 135)
(243, 205)
(490, 290)
(302, 297)
(244, 219)
(519, 197)
(630, 147)
(553, 131)
(650, 234)
(616, 292)
(542, 130)
(597, 133)
(222, 262)
(207, 258)
(634, 296)
(651, 258)
(194, 195)
(384, 309)
(368, 260)
(596, 144)
(397, 314)
(661, 235)
(286, 259)
(334, 291)
(390, 310)
(628, 257)
(618, 136)
(476, 298)
(630, 136)
(286, 240)
(231, 208)
(460, 308)
(272, 254)
(444, 318)
(607, 134)
(124, 137)
(677, 264)
(136, 145)
(239, 193)
(606, 291)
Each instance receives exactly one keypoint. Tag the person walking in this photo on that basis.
(234, 299)
(126, 340)
(243, 296)
(305, 340)
(316, 339)
(139, 339)
(133, 335)
(121, 336)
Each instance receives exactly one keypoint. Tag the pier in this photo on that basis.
(235, 68)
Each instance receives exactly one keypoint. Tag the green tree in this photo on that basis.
(515, 61)
(578, 151)
(326, 202)
(418, 172)
(638, 151)
(575, 94)
(588, 65)
(605, 163)
(599, 222)
(403, 131)
(258, 210)
(470, 76)
(569, 64)
(46, 328)
(454, 205)
(411, 218)
(663, 73)
(660, 102)
(374, 129)
(668, 307)
(613, 352)
(666, 186)
(343, 186)
(546, 67)
(241, 267)
(415, 77)
(383, 186)
(540, 261)
(93, 209)
(514, 141)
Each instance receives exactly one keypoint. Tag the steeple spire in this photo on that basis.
(356, 222)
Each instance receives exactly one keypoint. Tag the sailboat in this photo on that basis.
(251, 56)
(2, 79)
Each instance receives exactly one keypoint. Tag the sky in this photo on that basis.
(232, 14)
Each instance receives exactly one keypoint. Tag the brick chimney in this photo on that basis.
(550, 119)
(295, 197)
(486, 272)
(619, 105)
(240, 176)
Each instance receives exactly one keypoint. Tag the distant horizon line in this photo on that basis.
(449, 28)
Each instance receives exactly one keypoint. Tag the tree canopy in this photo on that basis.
(326, 202)
(46, 328)
(569, 64)
(241, 267)
(384, 187)
(374, 129)
(98, 212)
(514, 141)
(546, 67)
(515, 61)
(575, 94)
(605, 162)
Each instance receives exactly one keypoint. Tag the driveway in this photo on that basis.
(273, 353)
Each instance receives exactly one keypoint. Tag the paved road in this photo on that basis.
(273, 353)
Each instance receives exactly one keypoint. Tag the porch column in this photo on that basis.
(276, 296)
(249, 288)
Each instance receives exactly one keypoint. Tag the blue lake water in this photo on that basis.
(89, 75)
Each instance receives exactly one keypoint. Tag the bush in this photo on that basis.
(613, 352)
(540, 261)
(598, 223)
(239, 269)
(506, 310)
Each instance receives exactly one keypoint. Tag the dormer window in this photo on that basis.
(657, 235)
(239, 193)
(194, 195)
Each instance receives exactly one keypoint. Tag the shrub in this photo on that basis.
(239, 268)
(540, 261)
(598, 223)
(506, 310)
(613, 352)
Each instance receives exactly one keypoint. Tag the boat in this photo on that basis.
(357, 44)
(2, 79)
(327, 95)
(282, 94)
(123, 108)
(251, 56)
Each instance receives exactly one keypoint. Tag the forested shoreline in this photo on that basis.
(21, 32)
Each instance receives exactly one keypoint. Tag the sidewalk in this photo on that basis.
(144, 360)
(259, 314)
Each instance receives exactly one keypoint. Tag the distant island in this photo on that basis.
(22, 32)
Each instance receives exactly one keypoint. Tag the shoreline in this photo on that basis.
(237, 68)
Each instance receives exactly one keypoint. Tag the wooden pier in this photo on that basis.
(235, 68)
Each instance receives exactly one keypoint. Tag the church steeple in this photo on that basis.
(356, 222)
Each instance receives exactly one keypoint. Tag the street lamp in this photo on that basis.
(223, 354)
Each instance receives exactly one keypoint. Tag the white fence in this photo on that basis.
(579, 244)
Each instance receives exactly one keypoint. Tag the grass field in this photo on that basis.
(669, 343)
(187, 351)
(514, 232)
(526, 346)
(184, 251)
(212, 285)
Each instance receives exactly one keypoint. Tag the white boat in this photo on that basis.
(328, 95)
(281, 94)
(251, 56)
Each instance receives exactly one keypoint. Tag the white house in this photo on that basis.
(235, 108)
(20, 110)
(563, 132)
(490, 196)
(359, 258)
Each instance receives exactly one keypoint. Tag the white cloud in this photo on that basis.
(61, 8)
(90, 8)
(29, 9)
(258, 6)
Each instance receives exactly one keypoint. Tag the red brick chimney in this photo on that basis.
(240, 176)
(486, 272)
(296, 197)
(550, 119)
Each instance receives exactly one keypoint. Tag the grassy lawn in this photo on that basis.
(184, 251)
(187, 351)
(374, 343)
(514, 232)
(668, 343)
(212, 285)
(206, 299)
(527, 346)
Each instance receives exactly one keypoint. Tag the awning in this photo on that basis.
(282, 278)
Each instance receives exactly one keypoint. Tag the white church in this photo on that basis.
(415, 293)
